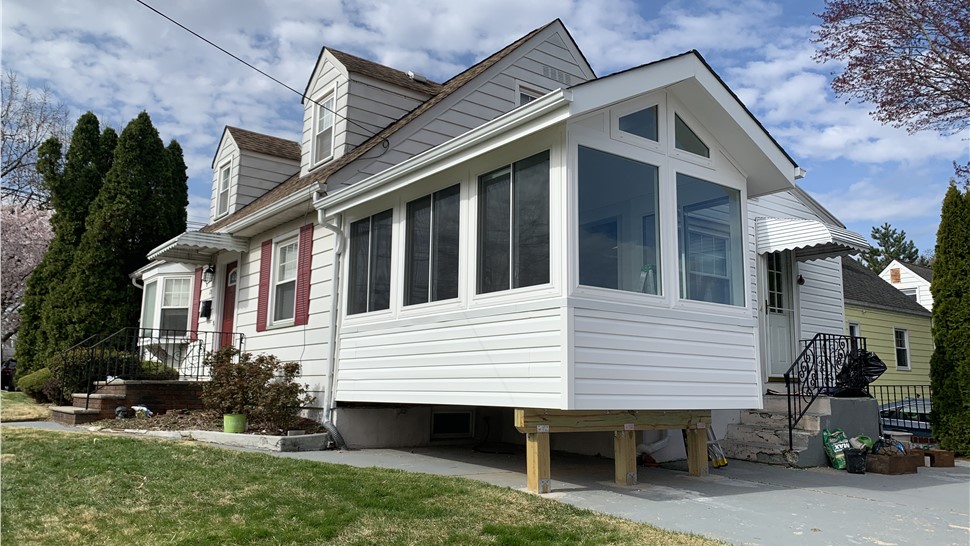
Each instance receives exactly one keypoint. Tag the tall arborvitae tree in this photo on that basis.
(121, 228)
(173, 198)
(950, 363)
(72, 184)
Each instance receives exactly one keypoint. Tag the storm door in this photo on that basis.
(779, 313)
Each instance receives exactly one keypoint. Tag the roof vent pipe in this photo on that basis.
(418, 77)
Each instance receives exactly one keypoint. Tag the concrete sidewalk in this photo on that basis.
(743, 503)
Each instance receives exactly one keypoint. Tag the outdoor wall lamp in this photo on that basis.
(208, 274)
(800, 280)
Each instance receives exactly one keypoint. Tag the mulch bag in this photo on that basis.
(835, 443)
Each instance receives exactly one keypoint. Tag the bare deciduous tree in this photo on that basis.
(28, 119)
(26, 233)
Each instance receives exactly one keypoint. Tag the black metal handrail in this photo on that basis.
(145, 353)
(814, 372)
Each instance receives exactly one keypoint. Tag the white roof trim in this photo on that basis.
(808, 239)
(197, 247)
(536, 115)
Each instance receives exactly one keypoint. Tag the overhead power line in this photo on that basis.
(234, 56)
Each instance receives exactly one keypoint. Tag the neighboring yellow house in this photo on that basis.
(896, 328)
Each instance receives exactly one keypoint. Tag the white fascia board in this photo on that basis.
(533, 117)
(271, 210)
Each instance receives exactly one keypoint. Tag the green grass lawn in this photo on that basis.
(17, 406)
(83, 488)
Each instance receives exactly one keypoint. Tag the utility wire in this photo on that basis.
(220, 48)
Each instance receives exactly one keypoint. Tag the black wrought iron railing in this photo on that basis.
(143, 354)
(905, 408)
(814, 373)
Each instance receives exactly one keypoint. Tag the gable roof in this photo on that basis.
(297, 183)
(263, 144)
(865, 288)
(383, 73)
(925, 272)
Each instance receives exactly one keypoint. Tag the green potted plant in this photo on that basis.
(237, 385)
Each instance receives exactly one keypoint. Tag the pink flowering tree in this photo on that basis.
(26, 231)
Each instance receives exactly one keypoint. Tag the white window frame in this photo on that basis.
(188, 297)
(675, 108)
(278, 244)
(528, 90)
(222, 198)
(321, 106)
(619, 111)
(905, 347)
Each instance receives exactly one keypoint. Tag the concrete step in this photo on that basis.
(70, 415)
(772, 436)
(760, 453)
(777, 419)
(821, 406)
(98, 401)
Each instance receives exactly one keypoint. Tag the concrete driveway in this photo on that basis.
(743, 503)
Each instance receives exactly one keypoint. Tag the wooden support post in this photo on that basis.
(538, 476)
(697, 451)
(625, 456)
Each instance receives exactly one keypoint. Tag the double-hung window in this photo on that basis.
(174, 313)
(323, 129)
(431, 248)
(284, 280)
(370, 264)
(901, 338)
(222, 206)
(513, 225)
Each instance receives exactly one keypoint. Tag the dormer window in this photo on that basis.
(223, 201)
(524, 94)
(323, 129)
(687, 140)
(642, 123)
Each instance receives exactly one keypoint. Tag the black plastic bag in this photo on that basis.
(861, 368)
(855, 460)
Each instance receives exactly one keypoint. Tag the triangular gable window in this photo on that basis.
(642, 123)
(686, 139)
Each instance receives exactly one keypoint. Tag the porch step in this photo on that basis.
(769, 436)
(779, 403)
(98, 401)
(761, 453)
(777, 419)
(70, 415)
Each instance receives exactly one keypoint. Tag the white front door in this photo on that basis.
(779, 313)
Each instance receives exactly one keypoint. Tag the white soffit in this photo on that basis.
(196, 247)
(807, 239)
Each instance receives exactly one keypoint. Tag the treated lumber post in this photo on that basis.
(537, 462)
(697, 451)
(625, 456)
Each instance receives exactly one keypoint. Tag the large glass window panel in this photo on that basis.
(642, 123)
(445, 239)
(494, 230)
(618, 223)
(175, 306)
(513, 240)
(148, 309)
(709, 241)
(431, 249)
(358, 266)
(379, 293)
(531, 221)
(686, 139)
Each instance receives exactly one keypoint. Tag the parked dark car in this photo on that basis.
(7, 371)
(910, 415)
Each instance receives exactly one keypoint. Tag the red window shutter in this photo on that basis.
(265, 268)
(302, 313)
(194, 310)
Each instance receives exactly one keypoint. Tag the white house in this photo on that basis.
(629, 249)
(912, 280)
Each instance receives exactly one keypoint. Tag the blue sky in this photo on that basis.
(117, 58)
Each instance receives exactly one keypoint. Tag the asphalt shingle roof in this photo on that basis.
(265, 144)
(384, 73)
(864, 287)
(922, 271)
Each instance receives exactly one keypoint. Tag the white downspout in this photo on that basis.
(338, 248)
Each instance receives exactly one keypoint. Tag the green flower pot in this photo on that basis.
(234, 422)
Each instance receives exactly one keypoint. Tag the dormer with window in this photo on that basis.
(247, 165)
(349, 99)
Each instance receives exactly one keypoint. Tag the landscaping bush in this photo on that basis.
(261, 387)
(152, 370)
(33, 384)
